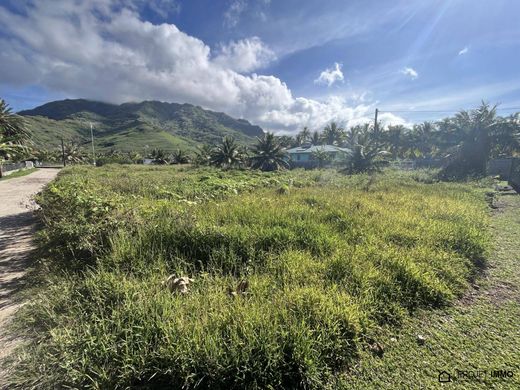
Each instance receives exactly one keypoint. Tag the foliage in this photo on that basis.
(159, 157)
(228, 154)
(321, 157)
(203, 155)
(333, 134)
(180, 157)
(481, 132)
(14, 134)
(133, 126)
(268, 154)
(74, 154)
(326, 262)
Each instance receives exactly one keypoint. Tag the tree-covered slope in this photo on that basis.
(134, 126)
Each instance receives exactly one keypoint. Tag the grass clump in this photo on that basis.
(327, 263)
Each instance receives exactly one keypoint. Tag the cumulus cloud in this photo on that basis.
(411, 72)
(245, 55)
(102, 50)
(330, 76)
(463, 51)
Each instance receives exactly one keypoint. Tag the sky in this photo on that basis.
(281, 64)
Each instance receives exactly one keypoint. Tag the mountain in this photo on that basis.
(134, 126)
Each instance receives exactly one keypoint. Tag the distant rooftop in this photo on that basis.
(314, 148)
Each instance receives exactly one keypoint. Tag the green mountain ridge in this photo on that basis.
(134, 126)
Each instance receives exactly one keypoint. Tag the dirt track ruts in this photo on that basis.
(17, 225)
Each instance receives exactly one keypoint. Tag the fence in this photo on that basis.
(8, 168)
(514, 177)
(500, 167)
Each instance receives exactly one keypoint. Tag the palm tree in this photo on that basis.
(228, 154)
(285, 140)
(299, 140)
(395, 139)
(12, 126)
(424, 134)
(321, 157)
(316, 138)
(203, 155)
(73, 153)
(479, 130)
(180, 157)
(268, 154)
(159, 157)
(333, 134)
(13, 133)
(365, 156)
(305, 134)
(135, 157)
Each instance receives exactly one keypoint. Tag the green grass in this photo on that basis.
(331, 262)
(23, 172)
(479, 333)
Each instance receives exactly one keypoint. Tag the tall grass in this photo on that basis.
(328, 259)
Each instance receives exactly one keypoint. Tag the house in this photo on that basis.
(302, 156)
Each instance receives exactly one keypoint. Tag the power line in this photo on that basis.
(441, 111)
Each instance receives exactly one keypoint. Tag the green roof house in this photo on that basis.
(301, 156)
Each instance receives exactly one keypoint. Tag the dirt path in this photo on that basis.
(16, 229)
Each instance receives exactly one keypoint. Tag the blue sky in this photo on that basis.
(281, 64)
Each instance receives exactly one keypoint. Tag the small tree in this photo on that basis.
(268, 154)
(180, 157)
(228, 154)
(321, 157)
(159, 157)
(203, 155)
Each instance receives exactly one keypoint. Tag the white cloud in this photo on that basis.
(234, 12)
(330, 76)
(463, 51)
(99, 51)
(245, 55)
(410, 72)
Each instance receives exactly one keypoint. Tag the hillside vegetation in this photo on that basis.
(328, 259)
(133, 126)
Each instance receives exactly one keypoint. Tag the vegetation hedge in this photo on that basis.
(328, 258)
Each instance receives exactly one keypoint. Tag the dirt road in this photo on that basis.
(16, 229)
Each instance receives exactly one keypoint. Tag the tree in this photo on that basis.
(268, 154)
(285, 140)
(305, 134)
(180, 157)
(203, 155)
(333, 134)
(480, 132)
(74, 154)
(365, 156)
(396, 141)
(321, 157)
(14, 134)
(159, 157)
(316, 138)
(228, 154)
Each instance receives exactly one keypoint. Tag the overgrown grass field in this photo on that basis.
(329, 259)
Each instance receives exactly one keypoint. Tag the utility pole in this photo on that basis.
(62, 151)
(376, 130)
(92, 139)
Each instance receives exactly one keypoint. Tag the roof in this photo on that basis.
(314, 148)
